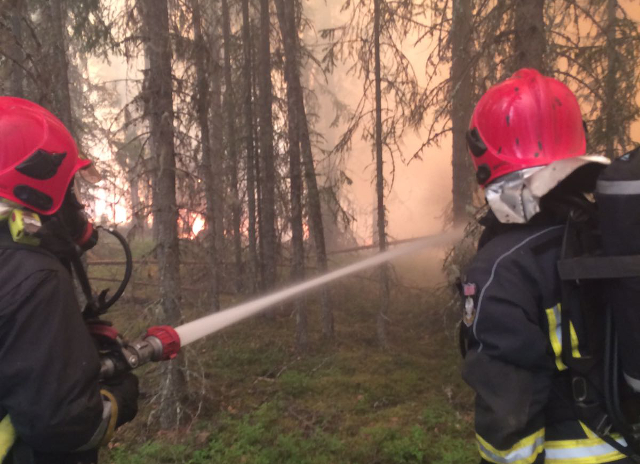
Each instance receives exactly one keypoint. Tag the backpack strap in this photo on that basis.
(599, 267)
(578, 306)
(590, 376)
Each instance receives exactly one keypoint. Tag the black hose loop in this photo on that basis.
(105, 305)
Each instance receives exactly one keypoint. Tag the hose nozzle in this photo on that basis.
(166, 342)
(160, 343)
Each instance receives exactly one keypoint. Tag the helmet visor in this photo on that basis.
(88, 170)
(90, 174)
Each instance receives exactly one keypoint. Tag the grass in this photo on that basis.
(254, 400)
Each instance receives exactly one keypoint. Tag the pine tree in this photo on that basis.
(15, 49)
(288, 25)
(374, 45)
(155, 18)
(295, 171)
(57, 14)
(461, 78)
(382, 235)
(202, 109)
(267, 162)
(530, 42)
(589, 42)
(247, 79)
(230, 119)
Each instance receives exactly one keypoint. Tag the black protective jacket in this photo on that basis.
(48, 362)
(524, 405)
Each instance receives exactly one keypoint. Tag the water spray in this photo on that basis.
(164, 342)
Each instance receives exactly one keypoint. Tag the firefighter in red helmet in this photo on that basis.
(527, 141)
(53, 409)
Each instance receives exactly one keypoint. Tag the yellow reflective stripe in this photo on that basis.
(554, 337)
(524, 451)
(582, 451)
(554, 319)
(7, 437)
(572, 444)
(574, 341)
(591, 434)
(587, 431)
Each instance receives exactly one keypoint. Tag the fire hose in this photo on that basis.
(162, 343)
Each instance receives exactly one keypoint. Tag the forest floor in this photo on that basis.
(253, 399)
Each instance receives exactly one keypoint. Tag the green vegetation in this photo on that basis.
(253, 400)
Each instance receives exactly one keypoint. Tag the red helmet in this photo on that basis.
(38, 156)
(526, 121)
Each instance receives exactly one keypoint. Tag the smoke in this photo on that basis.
(421, 190)
(207, 325)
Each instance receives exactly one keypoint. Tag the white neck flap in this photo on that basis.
(515, 197)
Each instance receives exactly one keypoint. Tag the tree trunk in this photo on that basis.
(137, 218)
(382, 237)
(60, 71)
(293, 120)
(15, 50)
(258, 162)
(461, 108)
(202, 108)
(249, 146)
(611, 80)
(152, 162)
(530, 41)
(131, 157)
(287, 18)
(261, 266)
(267, 165)
(155, 17)
(229, 101)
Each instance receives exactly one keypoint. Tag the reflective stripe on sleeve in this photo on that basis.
(582, 451)
(554, 318)
(523, 452)
(7, 437)
(632, 382)
(618, 187)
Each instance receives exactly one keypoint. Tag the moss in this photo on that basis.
(254, 400)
